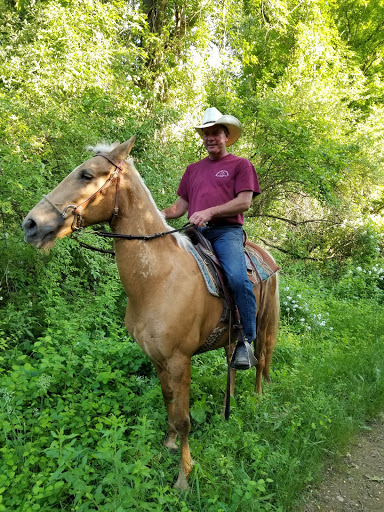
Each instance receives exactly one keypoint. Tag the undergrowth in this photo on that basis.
(82, 419)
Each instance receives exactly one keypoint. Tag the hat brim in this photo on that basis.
(231, 122)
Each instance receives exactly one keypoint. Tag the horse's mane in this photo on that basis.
(182, 240)
(102, 147)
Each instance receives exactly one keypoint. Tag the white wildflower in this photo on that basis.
(7, 395)
(44, 382)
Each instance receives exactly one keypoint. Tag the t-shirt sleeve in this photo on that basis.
(246, 178)
(182, 191)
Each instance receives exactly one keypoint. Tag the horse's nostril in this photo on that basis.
(30, 227)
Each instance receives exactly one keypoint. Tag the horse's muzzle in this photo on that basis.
(41, 233)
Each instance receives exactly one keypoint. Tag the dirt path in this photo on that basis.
(356, 482)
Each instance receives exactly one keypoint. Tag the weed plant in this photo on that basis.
(82, 419)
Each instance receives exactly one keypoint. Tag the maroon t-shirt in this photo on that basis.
(210, 183)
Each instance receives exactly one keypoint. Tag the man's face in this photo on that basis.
(214, 140)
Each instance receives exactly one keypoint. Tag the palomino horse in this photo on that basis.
(169, 313)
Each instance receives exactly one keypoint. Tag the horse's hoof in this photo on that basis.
(181, 483)
(170, 444)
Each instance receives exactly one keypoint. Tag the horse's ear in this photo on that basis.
(122, 150)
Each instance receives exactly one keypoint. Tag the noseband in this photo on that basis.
(78, 209)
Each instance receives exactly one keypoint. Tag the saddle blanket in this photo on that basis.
(260, 266)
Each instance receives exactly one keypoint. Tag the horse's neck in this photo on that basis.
(141, 262)
(138, 213)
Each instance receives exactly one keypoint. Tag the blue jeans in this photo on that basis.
(227, 242)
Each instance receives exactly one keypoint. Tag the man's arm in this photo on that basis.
(239, 204)
(176, 210)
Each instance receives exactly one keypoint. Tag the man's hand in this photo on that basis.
(200, 218)
(239, 204)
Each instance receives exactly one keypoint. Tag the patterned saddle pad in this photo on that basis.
(260, 265)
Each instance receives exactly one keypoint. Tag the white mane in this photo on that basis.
(102, 147)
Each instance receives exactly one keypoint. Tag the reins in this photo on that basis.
(106, 234)
(145, 238)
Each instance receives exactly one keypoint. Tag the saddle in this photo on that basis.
(260, 265)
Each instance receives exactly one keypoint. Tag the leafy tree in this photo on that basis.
(298, 87)
(361, 26)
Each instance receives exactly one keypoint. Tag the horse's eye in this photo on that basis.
(86, 176)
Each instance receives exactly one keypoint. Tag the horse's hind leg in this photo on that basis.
(260, 355)
(268, 356)
(232, 375)
(166, 388)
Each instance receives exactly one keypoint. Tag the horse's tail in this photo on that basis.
(267, 327)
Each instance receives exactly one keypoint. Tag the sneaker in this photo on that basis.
(243, 357)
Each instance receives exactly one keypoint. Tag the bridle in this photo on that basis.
(77, 210)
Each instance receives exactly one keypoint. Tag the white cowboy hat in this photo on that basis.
(212, 116)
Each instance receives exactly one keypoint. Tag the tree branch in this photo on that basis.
(297, 223)
(294, 255)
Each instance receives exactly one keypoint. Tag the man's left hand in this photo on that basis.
(200, 218)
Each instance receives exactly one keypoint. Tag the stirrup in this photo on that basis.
(243, 357)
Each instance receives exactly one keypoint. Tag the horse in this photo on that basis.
(170, 313)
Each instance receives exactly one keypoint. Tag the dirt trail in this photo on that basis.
(356, 482)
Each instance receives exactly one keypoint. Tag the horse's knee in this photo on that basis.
(182, 425)
(167, 394)
(261, 362)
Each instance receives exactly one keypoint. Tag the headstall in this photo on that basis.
(77, 210)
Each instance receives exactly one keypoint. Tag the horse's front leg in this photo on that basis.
(166, 388)
(179, 368)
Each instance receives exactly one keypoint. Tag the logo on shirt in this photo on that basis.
(222, 174)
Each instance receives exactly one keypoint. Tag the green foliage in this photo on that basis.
(360, 25)
(82, 419)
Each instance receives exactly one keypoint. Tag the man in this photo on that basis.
(216, 191)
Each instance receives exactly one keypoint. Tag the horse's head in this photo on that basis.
(87, 196)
